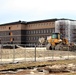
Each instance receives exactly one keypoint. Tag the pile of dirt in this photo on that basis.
(61, 68)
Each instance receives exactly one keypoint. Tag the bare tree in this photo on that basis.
(41, 40)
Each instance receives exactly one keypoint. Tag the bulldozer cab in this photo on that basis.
(55, 36)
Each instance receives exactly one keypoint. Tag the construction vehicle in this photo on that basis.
(55, 41)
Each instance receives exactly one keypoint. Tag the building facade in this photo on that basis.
(23, 32)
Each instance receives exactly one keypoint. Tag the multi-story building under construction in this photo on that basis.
(22, 32)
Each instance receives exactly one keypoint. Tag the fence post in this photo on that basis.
(35, 53)
(1, 53)
(13, 52)
(68, 52)
(44, 52)
(52, 53)
(25, 53)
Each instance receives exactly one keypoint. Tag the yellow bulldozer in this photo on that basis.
(56, 42)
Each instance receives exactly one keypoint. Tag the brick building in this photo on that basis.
(23, 32)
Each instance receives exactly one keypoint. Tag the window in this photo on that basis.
(47, 30)
(36, 38)
(54, 36)
(10, 33)
(50, 31)
(44, 31)
(26, 38)
(9, 28)
(34, 31)
(41, 31)
(29, 32)
(29, 38)
(53, 30)
(33, 38)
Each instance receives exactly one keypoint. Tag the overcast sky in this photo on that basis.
(31, 10)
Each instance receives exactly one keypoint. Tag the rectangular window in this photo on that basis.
(44, 31)
(29, 38)
(47, 30)
(34, 31)
(34, 38)
(41, 31)
(28, 32)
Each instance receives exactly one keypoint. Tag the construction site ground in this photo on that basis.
(27, 68)
(30, 54)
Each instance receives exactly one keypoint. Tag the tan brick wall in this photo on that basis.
(42, 25)
(30, 26)
(23, 26)
(10, 27)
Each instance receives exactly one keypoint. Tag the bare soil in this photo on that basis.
(8, 53)
(28, 72)
(27, 53)
(16, 69)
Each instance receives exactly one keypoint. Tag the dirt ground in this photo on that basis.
(28, 72)
(30, 53)
(27, 53)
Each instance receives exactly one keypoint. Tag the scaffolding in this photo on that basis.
(73, 31)
(67, 29)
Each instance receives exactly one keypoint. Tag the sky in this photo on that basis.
(33, 10)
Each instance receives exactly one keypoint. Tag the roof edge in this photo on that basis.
(46, 20)
(29, 22)
(17, 22)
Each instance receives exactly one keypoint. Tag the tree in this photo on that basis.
(42, 40)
